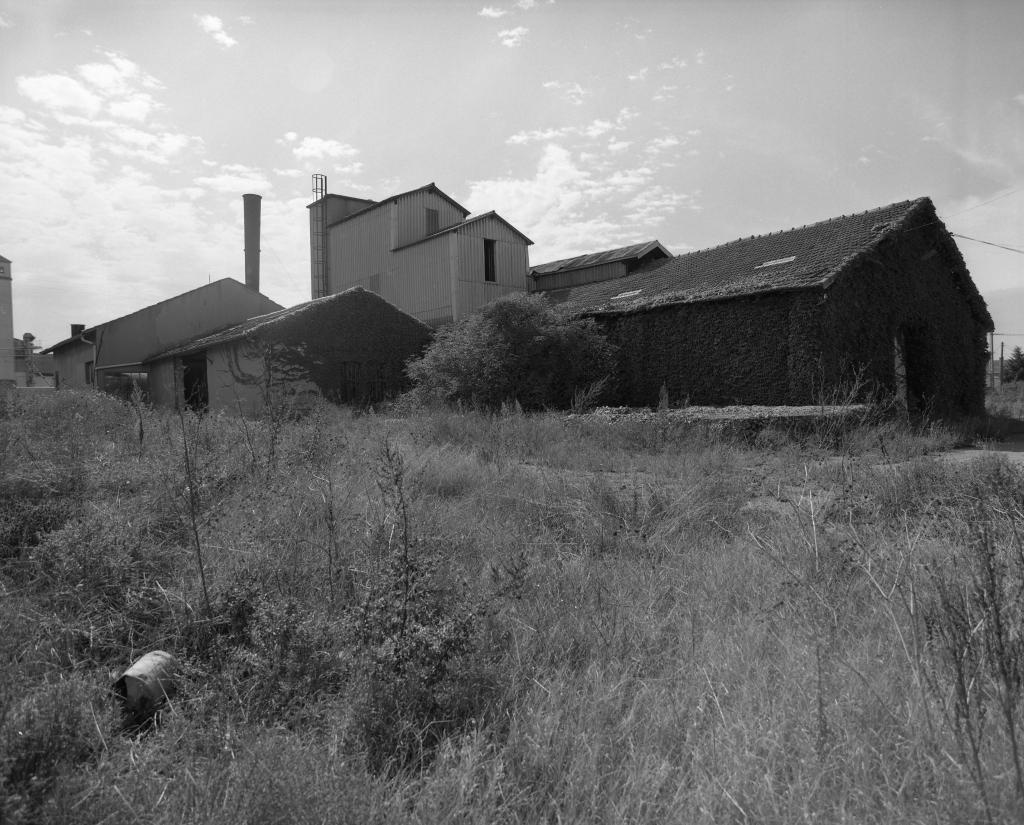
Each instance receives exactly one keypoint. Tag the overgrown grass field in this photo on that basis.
(432, 616)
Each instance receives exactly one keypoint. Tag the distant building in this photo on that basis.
(349, 348)
(109, 355)
(418, 250)
(6, 326)
(30, 368)
(881, 300)
(596, 266)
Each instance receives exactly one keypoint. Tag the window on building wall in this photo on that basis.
(433, 224)
(489, 268)
(89, 377)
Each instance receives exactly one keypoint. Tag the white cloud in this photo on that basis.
(59, 92)
(1020, 99)
(639, 74)
(314, 148)
(574, 204)
(661, 144)
(652, 206)
(592, 130)
(291, 173)
(700, 57)
(664, 93)
(492, 12)
(573, 92)
(674, 63)
(214, 27)
(526, 5)
(5, 23)
(235, 178)
(513, 37)
(619, 145)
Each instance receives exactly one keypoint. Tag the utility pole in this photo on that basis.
(1002, 362)
(992, 369)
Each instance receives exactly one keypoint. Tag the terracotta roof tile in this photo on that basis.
(800, 258)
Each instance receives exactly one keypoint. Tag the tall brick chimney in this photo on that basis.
(251, 206)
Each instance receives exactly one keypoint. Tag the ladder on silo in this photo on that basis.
(318, 238)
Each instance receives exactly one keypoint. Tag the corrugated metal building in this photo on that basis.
(597, 266)
(418, 250)
(349, 348)
(102, 355)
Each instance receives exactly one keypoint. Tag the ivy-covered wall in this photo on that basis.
(351, 347)
(819, 345)
(721, 352)
(912, 287)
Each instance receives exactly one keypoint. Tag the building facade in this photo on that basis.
(111, 354)
(874, 304)
(418, 250)
(350, 348)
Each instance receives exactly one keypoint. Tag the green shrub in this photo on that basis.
(515, 350)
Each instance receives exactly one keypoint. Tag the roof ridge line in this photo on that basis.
(803, 226)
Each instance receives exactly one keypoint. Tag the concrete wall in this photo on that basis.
(69, 365)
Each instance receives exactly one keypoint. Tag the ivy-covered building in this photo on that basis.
(350, 348)
(878, 302)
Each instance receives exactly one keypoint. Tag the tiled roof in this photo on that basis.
(261, 322)
(623, 253)
(808, 256)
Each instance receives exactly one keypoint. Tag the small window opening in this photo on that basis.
(89, 376)
(489, 268)
(433, 224)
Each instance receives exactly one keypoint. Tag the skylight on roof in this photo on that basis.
(777, 262)
(629, 294)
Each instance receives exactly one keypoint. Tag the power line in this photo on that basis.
(988, 243)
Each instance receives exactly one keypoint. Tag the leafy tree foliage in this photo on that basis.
(517, 349)
(1013, 369)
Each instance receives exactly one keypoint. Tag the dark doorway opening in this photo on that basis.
(911, 367)
(193, 376)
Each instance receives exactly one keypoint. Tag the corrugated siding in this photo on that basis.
(359, 249)
(511, 265)
(420, 281)
(412, 216)
(578, 277)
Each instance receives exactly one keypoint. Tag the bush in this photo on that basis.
(515, 350)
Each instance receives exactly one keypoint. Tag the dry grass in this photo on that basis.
(458, 617)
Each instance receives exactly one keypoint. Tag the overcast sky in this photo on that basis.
(130, 130)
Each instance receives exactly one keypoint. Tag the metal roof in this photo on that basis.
(455, 227)
(623, 253)
(430, 187)
(89, 330)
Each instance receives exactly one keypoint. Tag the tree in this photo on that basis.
(516, 349)
(1013, 369)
